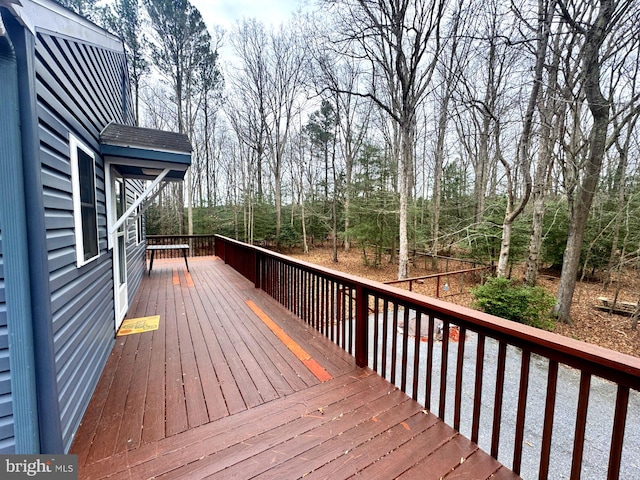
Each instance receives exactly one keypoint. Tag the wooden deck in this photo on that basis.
(234, 386)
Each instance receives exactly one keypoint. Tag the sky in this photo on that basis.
(226, 12)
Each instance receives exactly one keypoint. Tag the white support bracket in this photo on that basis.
(119, 222)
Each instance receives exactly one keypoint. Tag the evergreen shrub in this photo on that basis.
(507, 299)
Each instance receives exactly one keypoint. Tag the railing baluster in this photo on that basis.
(340, 319)
(497, 400)
(290, 273)
(325, 307)
(405, 347)
(444, 365)
(459, 369)
(394, 344)
(549, 410)
(362, 327)
(428, 379)
(332, 315)
(581, 425)
(318, 304)
(477, 394)
(350, 324)
(522, 406)
(385, 335)
(416, 355)
(617, 435)
(376, 330)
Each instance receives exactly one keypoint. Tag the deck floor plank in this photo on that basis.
(166, 455)
(419, 447)
(196, 404)
(214, 393)
(350, 462)
(479, 465)
(176, 408)
(104, 441)
(246, 448)
(303, 455)
(297, 375)
(439, 463)
(131, 429)
(154, 405)
(91, 420)
(211, 388)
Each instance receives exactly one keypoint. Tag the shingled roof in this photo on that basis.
(145, 152)
(145, 138)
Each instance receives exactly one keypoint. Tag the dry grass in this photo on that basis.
(589, 325)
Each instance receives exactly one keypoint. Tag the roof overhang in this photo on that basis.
(144, 153)
(51, 17)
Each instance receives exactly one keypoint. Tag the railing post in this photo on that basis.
(258, 270)
(362, 327)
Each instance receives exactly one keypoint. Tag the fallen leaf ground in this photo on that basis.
(589, 324)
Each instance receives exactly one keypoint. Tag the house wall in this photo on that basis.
(7, 441)
(80, 89)
(136, 247)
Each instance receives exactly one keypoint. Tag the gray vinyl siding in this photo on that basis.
(80, 90)
(7, 440)
(136, 259)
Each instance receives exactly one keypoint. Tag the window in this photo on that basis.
(85, 213)
(139, 224)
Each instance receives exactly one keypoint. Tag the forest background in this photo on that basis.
(502, 131)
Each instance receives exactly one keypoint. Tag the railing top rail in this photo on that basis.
(197, 235)
(609, 364)
(436, 275)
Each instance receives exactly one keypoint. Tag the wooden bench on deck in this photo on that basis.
(153, 248)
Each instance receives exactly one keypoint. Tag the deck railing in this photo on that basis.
(199, 245)
(522, 394)
(437, 279)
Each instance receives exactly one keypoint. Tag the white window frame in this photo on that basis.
(74, 146)
(138, 222)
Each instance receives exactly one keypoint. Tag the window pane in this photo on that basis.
(88, 204)
(122, 274)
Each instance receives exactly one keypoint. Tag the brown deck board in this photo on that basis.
(154, 404)
(176, 408)
(215, 393)
(197, 413)
(131, 429)
(439, 463)
(105, 437)
(350, 462)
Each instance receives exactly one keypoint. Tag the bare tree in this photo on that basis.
(592, 25)
(450, 70)
(285, 88)
(126, 18)
(270, 80)
(551, 110)
(400, 40)
(545, 15)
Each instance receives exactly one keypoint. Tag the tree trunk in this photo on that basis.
(599, 107)
(404, 166)
(548, 138)
(437, 174)
(505, 246)
(545, 14)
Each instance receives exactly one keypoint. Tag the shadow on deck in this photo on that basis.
(232, 385)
